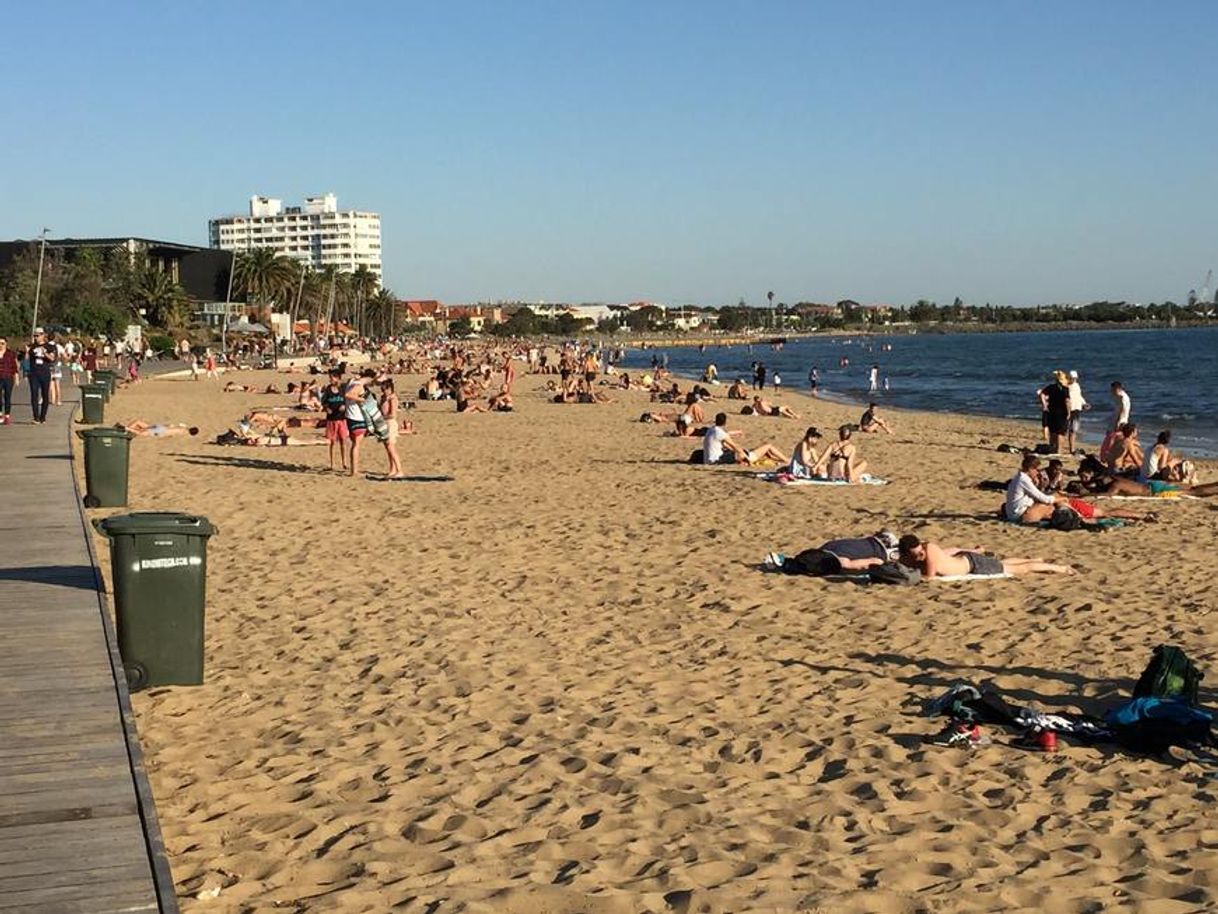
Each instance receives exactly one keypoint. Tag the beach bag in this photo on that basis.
(697, 456)
(1155, 724)
(1169, 675)
(893, 573)
(1064, 518)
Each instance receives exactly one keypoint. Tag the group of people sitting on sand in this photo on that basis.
(1123, 455)
(1036, 496)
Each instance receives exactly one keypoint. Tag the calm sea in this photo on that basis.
(1171, 375)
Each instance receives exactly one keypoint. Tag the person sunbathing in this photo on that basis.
(234, 387)
(870, 422)
(143, 429)
(1110, 484)
(501, 402)
(737, 391)
(718, 447)
(935, 561)
(763, 407)
(836, 556)
(805, 457)
(841, 460)
(691, 417)
(245, 435)
(1124, 454)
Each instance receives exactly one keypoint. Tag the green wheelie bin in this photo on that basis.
(158, 562)
(107, 451)
(93, 403)
(109, 378)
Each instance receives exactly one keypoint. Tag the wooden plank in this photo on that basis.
(78, 830)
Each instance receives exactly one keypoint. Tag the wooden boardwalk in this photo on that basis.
(78, 829)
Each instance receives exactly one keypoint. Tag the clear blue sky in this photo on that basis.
(1013, 152)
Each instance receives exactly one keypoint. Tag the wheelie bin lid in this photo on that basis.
(104, 432)
(93, 386)
(155, 522)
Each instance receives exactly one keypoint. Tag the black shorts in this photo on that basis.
(1044, 418)
(981, 563)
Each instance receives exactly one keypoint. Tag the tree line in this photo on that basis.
(99, 291)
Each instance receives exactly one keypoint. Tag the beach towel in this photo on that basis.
(1162, 496)
(971, 577)
(381, 477)
(862, 577)
(786, 479)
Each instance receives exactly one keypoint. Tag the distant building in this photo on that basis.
(318, 233)
(201, 272)
(420, 311)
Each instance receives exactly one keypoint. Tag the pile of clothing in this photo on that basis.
(1162, 713)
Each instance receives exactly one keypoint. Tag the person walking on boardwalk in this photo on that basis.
(42, 357)
(10, 374)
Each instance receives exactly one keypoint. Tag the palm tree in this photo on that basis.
(266, 275)
(382, 309)
(363, 284)
(162, 298)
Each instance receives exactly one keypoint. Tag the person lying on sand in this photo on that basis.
(763, 407)
(836, 556)
(870, 422)
(718, 447)
(234, 387)
(841, 460)
(934, 560)
(1103, 482)
(144, 429)
(245, 435)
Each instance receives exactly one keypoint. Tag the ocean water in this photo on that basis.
(1170, 375)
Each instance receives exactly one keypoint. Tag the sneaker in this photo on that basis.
(1037, 740)
(959, 733)
(773, 561)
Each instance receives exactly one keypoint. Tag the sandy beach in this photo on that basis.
(548, 675)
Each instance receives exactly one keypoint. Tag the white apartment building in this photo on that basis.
(317, 233)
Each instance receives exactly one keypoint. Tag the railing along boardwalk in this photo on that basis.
(78, 829)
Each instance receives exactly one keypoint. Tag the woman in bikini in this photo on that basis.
(841, 459)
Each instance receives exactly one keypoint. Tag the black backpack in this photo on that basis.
(1170, 674)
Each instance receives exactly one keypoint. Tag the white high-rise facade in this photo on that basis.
(316, 233)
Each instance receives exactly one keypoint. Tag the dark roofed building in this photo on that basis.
(201, 272)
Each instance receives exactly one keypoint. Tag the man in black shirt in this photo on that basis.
(42, 356)
(1057, 406)
(334, 402)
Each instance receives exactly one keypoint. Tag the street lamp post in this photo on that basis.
(228, 297)
(42, 252)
